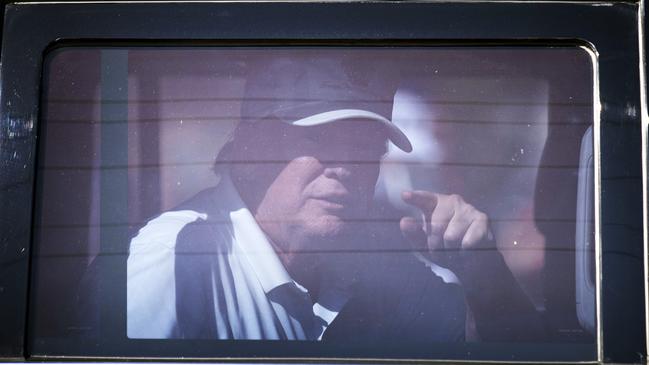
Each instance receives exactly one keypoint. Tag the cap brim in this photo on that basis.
(395, 134)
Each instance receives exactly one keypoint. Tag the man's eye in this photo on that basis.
(312, 137)
(320, 133)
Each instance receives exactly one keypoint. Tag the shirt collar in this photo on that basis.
(253, 243)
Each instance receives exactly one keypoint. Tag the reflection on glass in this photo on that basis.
(359, 196)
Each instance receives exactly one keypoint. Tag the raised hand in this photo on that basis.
(448, 226)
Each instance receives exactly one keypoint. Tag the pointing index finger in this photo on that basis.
(424, 200)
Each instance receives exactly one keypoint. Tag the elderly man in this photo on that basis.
(288, 245)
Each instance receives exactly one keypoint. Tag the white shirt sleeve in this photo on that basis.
(151, 289)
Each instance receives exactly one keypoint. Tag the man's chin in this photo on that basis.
(328, 227)
(332, 233)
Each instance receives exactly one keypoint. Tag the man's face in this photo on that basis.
(314, 185)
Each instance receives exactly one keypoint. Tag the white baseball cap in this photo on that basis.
(308, 88)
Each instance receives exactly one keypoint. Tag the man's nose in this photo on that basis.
(341, 173)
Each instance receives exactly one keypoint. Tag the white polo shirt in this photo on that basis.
(255, 296)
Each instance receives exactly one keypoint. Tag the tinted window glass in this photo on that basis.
(395, 202)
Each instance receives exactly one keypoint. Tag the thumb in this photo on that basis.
(413, 231)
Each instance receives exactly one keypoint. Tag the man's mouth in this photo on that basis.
(334, 201)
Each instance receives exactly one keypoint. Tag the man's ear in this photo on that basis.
(223, 158)
(240, 153)
(255, 152)
(250, 177)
